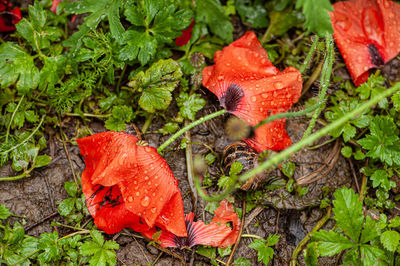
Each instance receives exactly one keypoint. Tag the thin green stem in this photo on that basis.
(27, 138)
(88, 115)
(188, 127)
(12, 117)
(313, 137)
(147, 123)
(310, 54)
(13, 178)
(121, 77)
(27, 256)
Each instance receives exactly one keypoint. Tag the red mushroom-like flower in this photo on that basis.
(8, 16)
(128, 184)
(250, 87)
(216, 234)
(186, 35)
(367, 33)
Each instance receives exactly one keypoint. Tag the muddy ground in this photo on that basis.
(280, 212)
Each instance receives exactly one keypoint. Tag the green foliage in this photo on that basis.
(372, 87)
(383, 141)
(73, 209)
(354, 233)
(101, 252)
(120, 115)
(155, 23)
(265, 252)
(231, 180)
(156, 84)
(316, 13)
(252, 12)
(190, 105)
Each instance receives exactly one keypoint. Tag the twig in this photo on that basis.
(277, 222)
(62, 135)
(363, 186)
(253, 214)
(12, 117)
(312, 78)
(158, 257)
(41, 221)
(240, 232)
(189, 167)
(323, 170)
(141, 249)
(304, 241)
(354, 174)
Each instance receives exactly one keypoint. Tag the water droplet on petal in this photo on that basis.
(145, 201)
(153, 210)
(278, 85)
(130, 199)
(137, 193)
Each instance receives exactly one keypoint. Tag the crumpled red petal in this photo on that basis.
(144, 180)
(216, 234)
(8, 16)
(250, 87)
(186, 35)
(54, 5)
(367, 33)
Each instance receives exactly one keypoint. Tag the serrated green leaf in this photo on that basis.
(209, 252)
(66, 206)
(42, 160)
(347, 151)
(348, 212)
(138, 44)
(331, 242)
(121, 114)
(71, 188)
(169, 128)
(4, 212)
(252, 12)
(51, 71)
(17, 66)
(311, 254)
(265, 253)
(390, 240)
(288, 169)
(241, 262)
(316, 14)
(190, 105)
(370, 230)
(371, 255)
(222, 252)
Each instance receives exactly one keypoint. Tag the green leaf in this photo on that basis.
(209, 252)
(121, 114)
(348, 212)
(373, 87)
(390, 240)
(222, 252)
(316, 13)
(51, 72)
(71, 188)
(17, 65)
(212, 13)
(272, 240)
(48, 244)
(169, 128)
(311, 254)
(265, 253)
(288, 169)
(370, 230)
(190, 105)
(42, 160)
(157, 83)
(381, 179)
(102, 251)
(4, 212)
(241, 262)
(371, 255)
(383, 140)
(347, 151)
(138, 44)
(281, 22)
(99, 9)
(331, 243)
(66, 206)
(252, 12)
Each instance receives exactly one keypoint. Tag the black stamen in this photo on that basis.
(188, 241)
(232, 97)
(376, 57)
(107, 200)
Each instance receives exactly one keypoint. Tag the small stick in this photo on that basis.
(254, 213)
(240, 232)
(189, 167)
(354, 174)
(62, 135)
(41, 221)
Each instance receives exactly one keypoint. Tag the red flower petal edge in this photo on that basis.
(186, 35)
(250, 87)
(8, 16)
(54, 5)
(216, 234)
(127, 184)
(367, 33)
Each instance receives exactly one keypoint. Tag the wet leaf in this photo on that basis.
(252, 12)
(190, 105)
(317, 18)
(121, 114)
(331, 242)
(4, 212)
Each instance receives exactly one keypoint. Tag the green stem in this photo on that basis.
(121, 77)
(27, 138)
(27, 256)
(188, 127)
(310, 54)
(88, 115)
(252, 236)
(313, 137)
(147, 123)
(12, 117)
(13, 178)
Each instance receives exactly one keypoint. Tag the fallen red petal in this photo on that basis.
(216, 234)
(367, 34)
(8, 16)
(250, 87)
(186, 35)
(146, 184)
(54, 5)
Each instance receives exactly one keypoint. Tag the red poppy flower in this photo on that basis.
(186, 35)
(367, 33)
(127, 184)
(216, 234)
(8, 16)
(250, 87)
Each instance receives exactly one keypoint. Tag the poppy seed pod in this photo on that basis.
(367, 33)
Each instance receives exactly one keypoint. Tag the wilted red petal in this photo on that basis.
(54, 5)
(367, 34)
(216, 234)
(250, 87)
(186, 35)
(8, 16)
(147, 186)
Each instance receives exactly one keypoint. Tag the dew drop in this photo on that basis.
(145, 201)
(130, 199)
(165, 219)
(278, 85)
(153, 210)
(138, 193)
(146, 178)
(253, 98)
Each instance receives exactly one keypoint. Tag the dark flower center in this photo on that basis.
(231, 98)
(108, 198)
(376, 57)
(188, 241)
